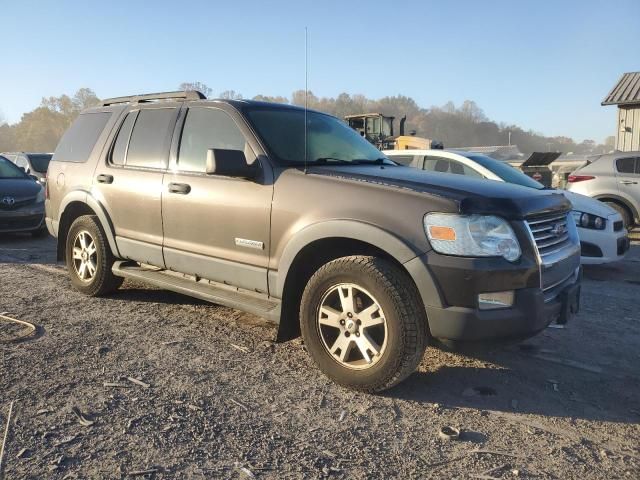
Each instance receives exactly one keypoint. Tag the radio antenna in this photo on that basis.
(306, 93)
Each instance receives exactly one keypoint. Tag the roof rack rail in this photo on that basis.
(181, 95)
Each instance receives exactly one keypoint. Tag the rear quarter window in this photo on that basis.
(78, 141)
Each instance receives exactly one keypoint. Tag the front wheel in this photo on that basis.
(627, 218)
(363, 323)
(89, 258)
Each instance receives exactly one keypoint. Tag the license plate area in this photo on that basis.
(570, 304)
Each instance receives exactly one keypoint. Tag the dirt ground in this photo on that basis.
(213, 397)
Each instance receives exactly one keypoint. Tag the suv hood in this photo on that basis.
(18, 188)
(487, 197)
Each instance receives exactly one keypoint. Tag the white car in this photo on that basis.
(603, 237)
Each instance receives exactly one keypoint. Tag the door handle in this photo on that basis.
(104, 178)
(181, 188)
(628, 182)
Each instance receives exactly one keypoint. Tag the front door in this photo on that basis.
(215, 227)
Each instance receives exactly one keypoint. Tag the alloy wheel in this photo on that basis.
(352, 326)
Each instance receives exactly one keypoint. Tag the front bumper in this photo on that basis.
(26, 219)
(603, 246)
(531, 312)
(449, 288)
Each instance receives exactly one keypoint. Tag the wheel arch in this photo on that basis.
(318, 244)
(620, 200)
(80, 203)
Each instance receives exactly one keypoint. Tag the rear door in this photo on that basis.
(129, 182)
(216, 227)
(628, 177)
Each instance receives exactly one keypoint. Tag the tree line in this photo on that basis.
(465, 125)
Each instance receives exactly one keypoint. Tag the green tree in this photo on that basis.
(199, 86)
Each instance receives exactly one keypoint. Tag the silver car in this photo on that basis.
(613, 178)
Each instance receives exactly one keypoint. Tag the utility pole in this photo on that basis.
(509, 137)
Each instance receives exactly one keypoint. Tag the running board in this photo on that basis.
(258, 304)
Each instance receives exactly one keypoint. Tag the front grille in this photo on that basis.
(19, 203)
(551, 234)
(20, 223)
(618, 225)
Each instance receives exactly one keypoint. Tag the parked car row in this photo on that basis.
(21, 201)
(603, 237)
(34, 164)
(614, 179)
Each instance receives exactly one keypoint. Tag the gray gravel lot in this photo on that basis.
(213, 397)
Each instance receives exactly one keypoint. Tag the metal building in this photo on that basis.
(626, 95)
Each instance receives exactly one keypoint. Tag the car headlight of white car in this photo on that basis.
(589, 220)
(472, 235)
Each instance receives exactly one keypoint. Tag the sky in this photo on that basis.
(543, 65)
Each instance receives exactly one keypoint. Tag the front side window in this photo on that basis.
(626, 165)
(403, 159)
(206, 128)
(328, 139)
(151, 138)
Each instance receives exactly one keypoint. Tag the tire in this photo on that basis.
(624, 213)
(86, 230)
(389, 318)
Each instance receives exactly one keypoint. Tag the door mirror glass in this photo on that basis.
(229, 163)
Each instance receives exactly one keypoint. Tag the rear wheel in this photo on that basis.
(624, 213)
(89, 258)
(363, 323)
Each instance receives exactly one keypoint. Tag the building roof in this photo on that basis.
(626, 91)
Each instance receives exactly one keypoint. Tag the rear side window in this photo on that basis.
(436, 164)
(150, 140)
(628, 165)
(120, 147)
(78, 141)
(206, 128)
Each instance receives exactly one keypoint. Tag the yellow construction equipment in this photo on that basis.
(378, 129)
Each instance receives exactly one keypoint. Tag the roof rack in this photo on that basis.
(150, 97)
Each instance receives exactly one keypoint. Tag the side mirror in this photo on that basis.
(229, 163)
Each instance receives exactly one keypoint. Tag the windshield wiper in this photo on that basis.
(365, 161)
(325, 160)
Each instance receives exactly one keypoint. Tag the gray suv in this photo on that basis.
(613, 178)
(291, 215)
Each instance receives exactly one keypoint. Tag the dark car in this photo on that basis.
(292, 215)
(34, 164)
(21, 201)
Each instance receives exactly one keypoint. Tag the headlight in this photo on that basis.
(587, 220)
(40, 197)
(472, 235)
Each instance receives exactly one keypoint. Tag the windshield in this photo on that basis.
(506, 172)
(9, 170)
(328, 139)
(40, 162)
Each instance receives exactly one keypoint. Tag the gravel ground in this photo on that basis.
(213, 397)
